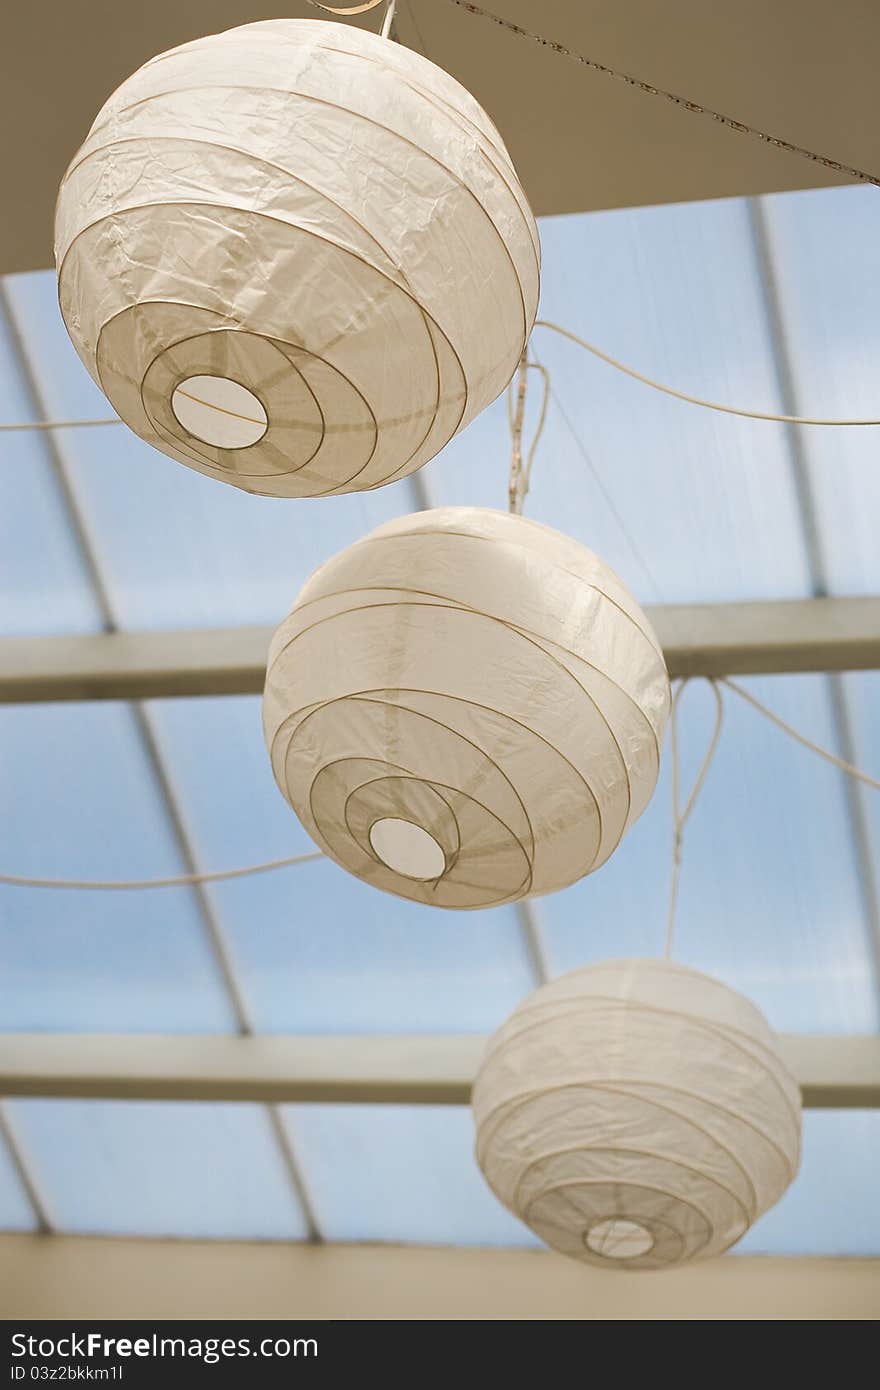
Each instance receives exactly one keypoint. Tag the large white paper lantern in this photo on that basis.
(296, 257)
(466, 707)
(637, 1114)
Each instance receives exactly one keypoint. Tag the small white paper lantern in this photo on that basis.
(636, 1114)
(296, 257)
(466, 707)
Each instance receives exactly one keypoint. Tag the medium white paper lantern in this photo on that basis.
(296, 257)
(636, 1114)
(466, 707)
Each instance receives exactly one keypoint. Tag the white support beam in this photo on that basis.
(834, 1072)
(829, 634)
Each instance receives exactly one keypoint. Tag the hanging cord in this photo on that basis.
(802, 739)
(61, 424)
(181, 881)
(573, 337)
(680, 817)
(515, 417)
(345, 11)
(521, 471)
(683, 395)
(597, 479)
(741, 127)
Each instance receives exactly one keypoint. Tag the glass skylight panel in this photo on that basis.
(824, 246)
(831, 1207)
(315, 949)
(704, 501)
(78, 799)
(15, 1210)
(398, 1173)
(43, 583)
(158, 1169)
(769, 896)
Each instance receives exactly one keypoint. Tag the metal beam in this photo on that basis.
(715, 639)
(834, 1072)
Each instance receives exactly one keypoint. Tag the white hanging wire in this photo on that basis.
(680, 816)
(60, 424)
(598, 480)
(178, 881)
(741, 411)
(684, 395)
(694, 107)
(521, 469)
(848, 768)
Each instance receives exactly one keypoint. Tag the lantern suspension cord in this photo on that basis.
(695, 107)
(800, 738)
(516, 410)
(684, 395)
(61, 424)
(521, 470)
(344, 11)
(681, 816)
(180, 881)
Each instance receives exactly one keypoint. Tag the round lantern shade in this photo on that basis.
(296, 257)
(466, 707)
(636, 1114)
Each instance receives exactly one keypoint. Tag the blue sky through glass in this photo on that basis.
(687, 506)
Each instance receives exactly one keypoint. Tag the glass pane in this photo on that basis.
(398, 1173)
(43, 583)
(78, 799)
(831, 1207)
(769, 895)
(315, 949)
(155, 1169)
(702, 505)
(825, 256)
(15, 1211)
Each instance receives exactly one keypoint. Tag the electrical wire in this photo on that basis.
(684, 395)
(681, 816)
(841, 763)
(179, 881)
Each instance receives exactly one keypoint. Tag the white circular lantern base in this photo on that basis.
(407, 849)
(636, 1114)
(618, 1239)
(219, 411)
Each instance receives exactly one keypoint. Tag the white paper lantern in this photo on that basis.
(466, 707)
(296, 257)
(637, 1114)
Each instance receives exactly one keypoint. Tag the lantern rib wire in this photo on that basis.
(214, 934)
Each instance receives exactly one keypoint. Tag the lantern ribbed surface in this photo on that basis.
(466, 707)
(636, 1114)
(296, 257)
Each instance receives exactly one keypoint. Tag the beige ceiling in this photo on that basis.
(802, 69)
